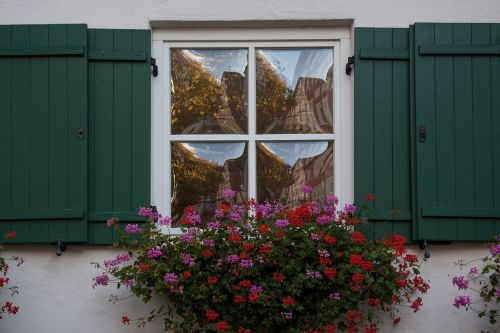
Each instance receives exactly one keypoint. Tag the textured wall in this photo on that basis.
(56, 294)
(137, 14)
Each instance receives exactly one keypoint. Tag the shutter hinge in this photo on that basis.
(348, 66)
(155, 67)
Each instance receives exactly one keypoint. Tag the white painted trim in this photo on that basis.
(257, 34)
(343, 119)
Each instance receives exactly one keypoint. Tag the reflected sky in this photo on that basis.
(290, 152)
(217, 152)
(218, 61)
(295, 63)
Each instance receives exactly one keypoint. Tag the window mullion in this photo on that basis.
(252, 154)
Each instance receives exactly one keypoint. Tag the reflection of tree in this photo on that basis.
(196, 92)
(273, 94)
(194, 180)
(273, 175)
(200, 103)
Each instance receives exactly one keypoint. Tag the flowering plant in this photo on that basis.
(276, 269)
(7, 306)
(487, 279)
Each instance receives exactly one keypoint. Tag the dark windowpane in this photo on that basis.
(284, 167)
(294, 90)
(201, 171)
(209, 91)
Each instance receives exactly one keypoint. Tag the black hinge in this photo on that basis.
(348, 66)
(155, 67)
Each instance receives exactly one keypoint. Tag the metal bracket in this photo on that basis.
(155, 67)
(349, 65)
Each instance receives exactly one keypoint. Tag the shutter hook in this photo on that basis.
(424, 246)
(348, 66)
(60, 247)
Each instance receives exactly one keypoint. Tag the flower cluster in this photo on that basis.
(7, 307)
(263, 267)
(484, 282)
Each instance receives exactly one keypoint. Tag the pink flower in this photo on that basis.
(154, 252)
(166, 221)
(171, 278)
(149, 212)
(332, 199)
(462, 301)
(350, 208)
(281, 223)
(228, 193)
(473, 271)
(100, 280)
(306, 189)
(460, 282)
(132, 229)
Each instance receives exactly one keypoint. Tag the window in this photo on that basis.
(261, 116)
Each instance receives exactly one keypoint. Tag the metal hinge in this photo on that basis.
(155, 67)
(348, 66)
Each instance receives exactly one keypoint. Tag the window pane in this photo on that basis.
(284, 167)
(201, 171)
(294, 90)
(209, 91)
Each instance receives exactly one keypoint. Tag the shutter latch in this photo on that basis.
(348, 66)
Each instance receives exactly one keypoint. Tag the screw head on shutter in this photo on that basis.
(81, 133)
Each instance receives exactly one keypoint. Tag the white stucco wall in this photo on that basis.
(56, 294)
(137, 14)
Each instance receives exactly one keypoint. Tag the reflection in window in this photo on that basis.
(201, 171)
(284, 167)
(294, 90)
(209, 91)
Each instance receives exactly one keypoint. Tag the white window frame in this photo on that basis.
(336, 38)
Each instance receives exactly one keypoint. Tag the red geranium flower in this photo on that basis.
(211, 315)
(330, 272)
(248, 246)
(278, 277)
(235, 237)
(212, 279)
(253, 297)
(125, 320)
(417, 304)
(264, 249)
(280, 234)
(10, 234)
(245, 283)
(186, 274)
(239, 299)
(330, 240)
(358, 278)
(143, 267)
(289, 300)
(263, 229)
(356, 259)
(206, 253)
(357, 237)
(221, 326)
(366, 265)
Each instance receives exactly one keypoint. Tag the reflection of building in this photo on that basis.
(316, 172)
(312, 111)
(234, 176)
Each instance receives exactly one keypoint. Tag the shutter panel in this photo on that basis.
(43, 102)
(457, 103)
(119, 136)
(382, 128)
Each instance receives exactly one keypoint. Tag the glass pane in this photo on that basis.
(294, 90)
(284, 167)
(209, 91)
(201, 171)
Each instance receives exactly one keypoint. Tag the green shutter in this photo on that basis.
(382, 128)
(43, 103)
(457, 100)
(119, 131)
